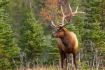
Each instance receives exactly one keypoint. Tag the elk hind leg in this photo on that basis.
(74, 61)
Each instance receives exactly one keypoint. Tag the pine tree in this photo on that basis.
(93, 38)
(8, 47)
(32, 35)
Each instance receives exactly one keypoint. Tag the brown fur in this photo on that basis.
(67, 43)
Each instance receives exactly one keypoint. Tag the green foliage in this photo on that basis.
(34, 38)
(4, 64)
(8, 45)
(93, 35)
(3, 3)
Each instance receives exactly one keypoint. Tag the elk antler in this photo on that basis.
(63, 18)
(53, 24)
(70, 15)
(75, 12)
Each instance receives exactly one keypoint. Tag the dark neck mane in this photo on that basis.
(65, 40)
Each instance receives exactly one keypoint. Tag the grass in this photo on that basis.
(42, 68)
(51, 67)
(48, 68)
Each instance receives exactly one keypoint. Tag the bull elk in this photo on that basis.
(67, 40)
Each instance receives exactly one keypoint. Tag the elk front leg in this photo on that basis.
(63, 61)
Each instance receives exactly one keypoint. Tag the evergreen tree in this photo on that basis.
(32, 36)
(93, 38)
(8, 47)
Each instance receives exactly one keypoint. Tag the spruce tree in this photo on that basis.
(32, 35)
(8, 47)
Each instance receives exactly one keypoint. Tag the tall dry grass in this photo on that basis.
(42, 68)
(51, 67)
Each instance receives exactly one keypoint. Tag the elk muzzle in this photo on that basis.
(58, 34)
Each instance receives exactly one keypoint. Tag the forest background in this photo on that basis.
(26, 35)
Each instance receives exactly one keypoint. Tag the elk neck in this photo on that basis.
(65, 39)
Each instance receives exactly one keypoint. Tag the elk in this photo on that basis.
(67, 40)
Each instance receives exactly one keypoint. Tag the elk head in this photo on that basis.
(60, 29)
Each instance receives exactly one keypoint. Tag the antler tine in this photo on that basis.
(76, 11)
(53, 24)
(63, 18)
(70, 9)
